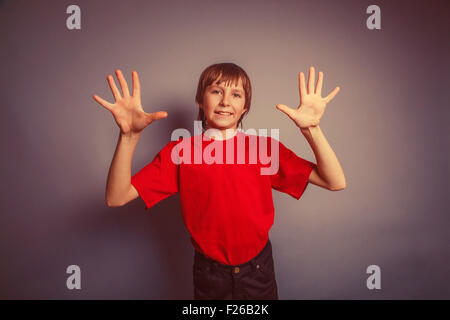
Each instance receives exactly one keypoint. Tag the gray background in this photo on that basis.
(387, 126)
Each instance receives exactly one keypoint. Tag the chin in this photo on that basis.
(223, 124)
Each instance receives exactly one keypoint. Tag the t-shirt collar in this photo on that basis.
(236, 132)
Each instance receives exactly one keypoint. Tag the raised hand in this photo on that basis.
(127, 110)
(312, 105)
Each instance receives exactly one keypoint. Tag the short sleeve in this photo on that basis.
(158, 179)
(293, 173)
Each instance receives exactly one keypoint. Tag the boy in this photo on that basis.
(226, 207)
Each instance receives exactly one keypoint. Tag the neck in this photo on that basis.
(224, 134)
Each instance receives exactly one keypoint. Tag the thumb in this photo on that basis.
(289, 111)
(156, 116)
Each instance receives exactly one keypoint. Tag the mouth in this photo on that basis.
(223, 113)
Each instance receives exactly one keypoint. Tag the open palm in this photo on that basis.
(312, 105)
(127, 109)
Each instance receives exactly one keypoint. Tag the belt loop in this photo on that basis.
(253, 263)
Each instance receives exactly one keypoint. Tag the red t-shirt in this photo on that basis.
(227, 207)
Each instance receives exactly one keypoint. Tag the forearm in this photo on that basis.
(119, 177)
(328, 164)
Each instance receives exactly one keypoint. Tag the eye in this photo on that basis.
(215, 91)
(237, 95)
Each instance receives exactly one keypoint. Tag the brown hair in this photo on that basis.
(228, 73)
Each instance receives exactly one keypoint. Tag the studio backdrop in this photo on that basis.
(387, 125)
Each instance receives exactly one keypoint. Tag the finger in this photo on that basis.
(311, 78)
(136, 85)
(302, 85)
(289, 111)
(103, 103)
(114, 90)
(332, 94)
(157, 115)
(123, 84)
(319, 83)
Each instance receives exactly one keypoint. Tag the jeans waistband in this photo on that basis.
(254, 261)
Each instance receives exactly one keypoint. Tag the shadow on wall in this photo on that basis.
(123, 253)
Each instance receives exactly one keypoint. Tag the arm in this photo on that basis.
(329, 173)
(119, 190)
(131, 119)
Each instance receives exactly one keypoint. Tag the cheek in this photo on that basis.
(241, 109)
(242, 105)
(208, 105)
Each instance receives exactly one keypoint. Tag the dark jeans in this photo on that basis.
(252, 280)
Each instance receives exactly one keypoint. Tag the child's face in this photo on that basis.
(223, 105)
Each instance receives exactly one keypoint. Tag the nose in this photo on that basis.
(226, 99)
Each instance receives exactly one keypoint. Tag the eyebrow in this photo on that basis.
(221, 87)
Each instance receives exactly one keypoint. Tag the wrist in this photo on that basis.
(309, 129)
(130, 136)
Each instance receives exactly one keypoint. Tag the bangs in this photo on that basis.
(228, 77)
